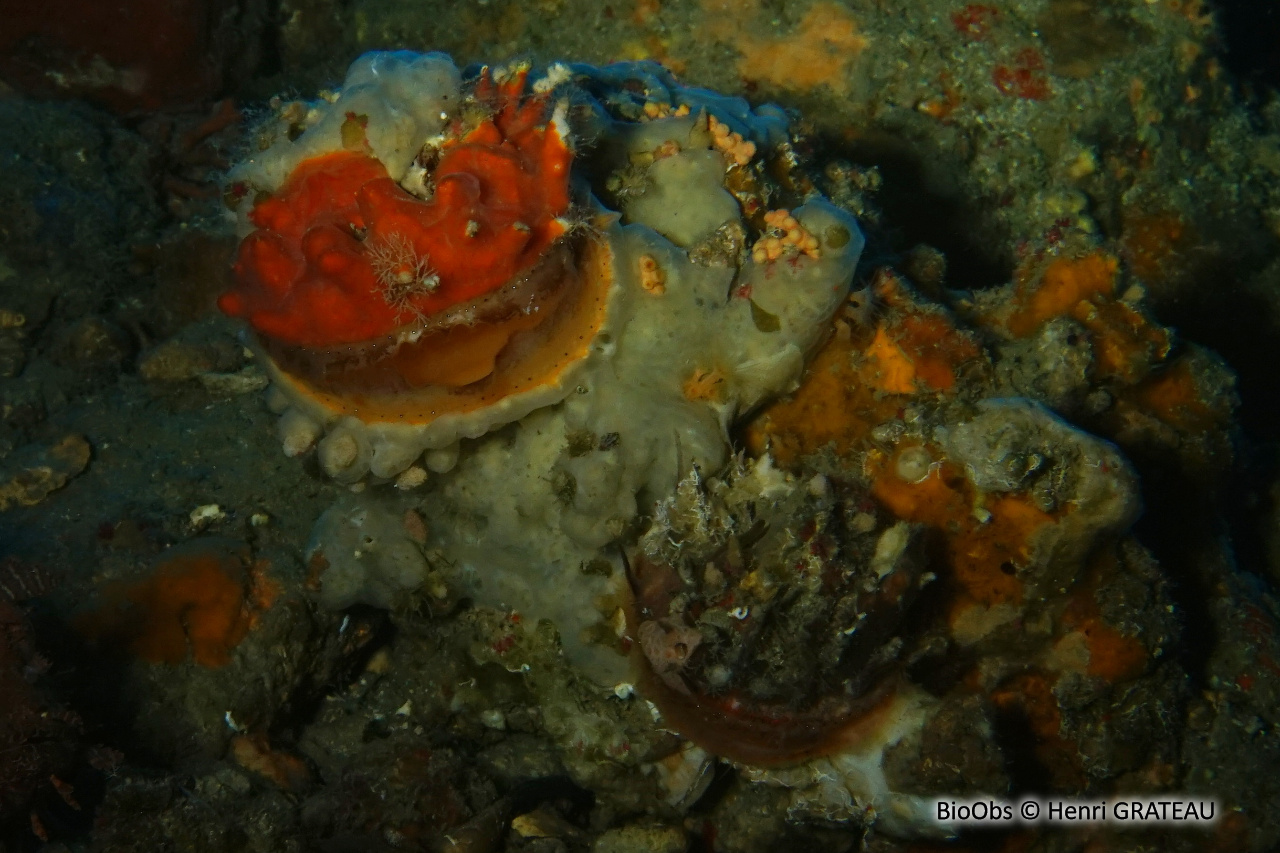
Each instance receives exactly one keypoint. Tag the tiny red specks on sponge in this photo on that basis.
(305, 275)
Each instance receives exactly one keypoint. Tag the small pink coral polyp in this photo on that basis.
(341, 255)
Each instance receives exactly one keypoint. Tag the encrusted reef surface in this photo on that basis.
(800, 415)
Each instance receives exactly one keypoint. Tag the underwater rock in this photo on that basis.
(919, 543)
(1082, 481)
(185, 53)
(40, 736)
(94, 346)
(207, 646)
(35, 471)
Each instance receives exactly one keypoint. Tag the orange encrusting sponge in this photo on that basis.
(200, 602)
(307, 276)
